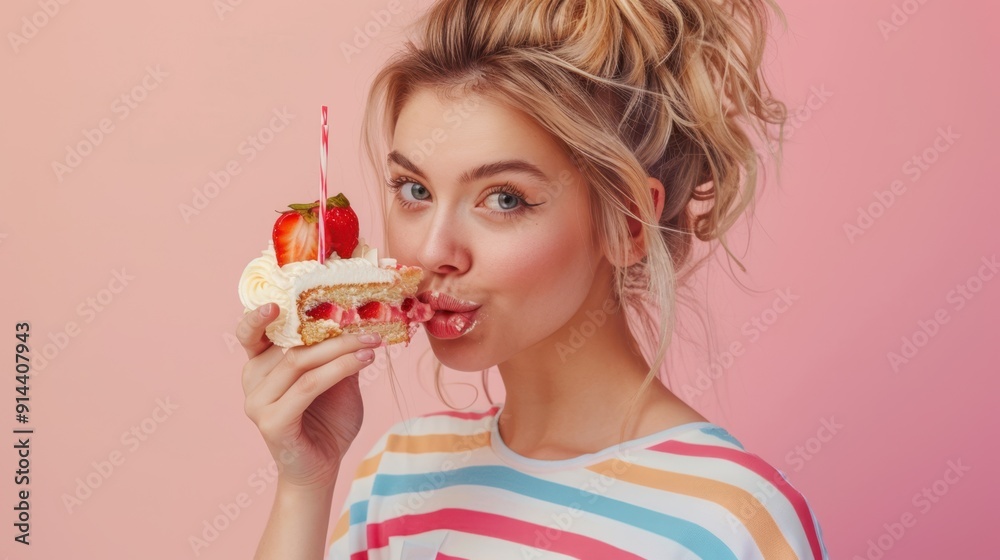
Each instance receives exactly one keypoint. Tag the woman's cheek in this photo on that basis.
(402, 239)
(548, 281)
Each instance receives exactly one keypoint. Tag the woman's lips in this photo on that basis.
(452, 317)
(450, 324)
(439, 300)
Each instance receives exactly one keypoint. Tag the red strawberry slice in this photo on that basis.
(324, 310)
(370, 310)
(296, 234)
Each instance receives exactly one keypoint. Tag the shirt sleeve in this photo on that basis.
(777, 521)
(350, 531)
(803, 528)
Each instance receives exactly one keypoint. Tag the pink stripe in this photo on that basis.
(757, 465)
(447, 557)
(496, 526)
(363, 555)
(464, 415)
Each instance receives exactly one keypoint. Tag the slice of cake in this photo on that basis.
(352, 291)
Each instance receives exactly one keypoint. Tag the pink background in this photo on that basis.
(218, 77)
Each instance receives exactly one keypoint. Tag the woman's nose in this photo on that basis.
(444, 246)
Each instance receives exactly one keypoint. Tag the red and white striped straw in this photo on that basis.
(323, 152)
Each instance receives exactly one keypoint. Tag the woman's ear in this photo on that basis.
(635, 227)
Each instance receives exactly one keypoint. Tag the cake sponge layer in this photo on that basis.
(318, 331)
(352, 296)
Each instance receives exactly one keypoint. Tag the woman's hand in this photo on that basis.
(306, 402)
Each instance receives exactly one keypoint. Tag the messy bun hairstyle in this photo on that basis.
(671, 89)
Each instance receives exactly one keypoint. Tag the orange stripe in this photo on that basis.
(341, 529)
(433, 443)
(368, 466)
(762, 528)
(436, 443)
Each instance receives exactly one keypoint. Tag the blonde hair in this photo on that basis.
(633, 89)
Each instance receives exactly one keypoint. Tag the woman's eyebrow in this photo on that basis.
(480, 172)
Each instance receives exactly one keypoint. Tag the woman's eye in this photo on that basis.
(415, 190)
(502, 200)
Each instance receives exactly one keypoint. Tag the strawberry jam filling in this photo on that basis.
(374, 311)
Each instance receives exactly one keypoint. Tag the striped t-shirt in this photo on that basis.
(445, 486)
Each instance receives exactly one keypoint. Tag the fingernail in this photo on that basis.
(266, 310)
(365, 354)
(369, 338)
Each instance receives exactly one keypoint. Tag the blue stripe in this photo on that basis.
(359, 512)
(695, 537)
(722, 434)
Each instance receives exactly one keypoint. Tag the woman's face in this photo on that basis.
(493, 209)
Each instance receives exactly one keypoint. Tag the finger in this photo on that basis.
(313, 383)
(300, 360)
(250, 331)
(257, 368)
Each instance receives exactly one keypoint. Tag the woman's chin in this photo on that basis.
(458, 355)
(460, 363)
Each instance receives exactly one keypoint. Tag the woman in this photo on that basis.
(545, 160)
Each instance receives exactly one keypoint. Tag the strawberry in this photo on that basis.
(296, 234)
(343, 222)
(324, 310)
(370, 310)
(296, 231)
